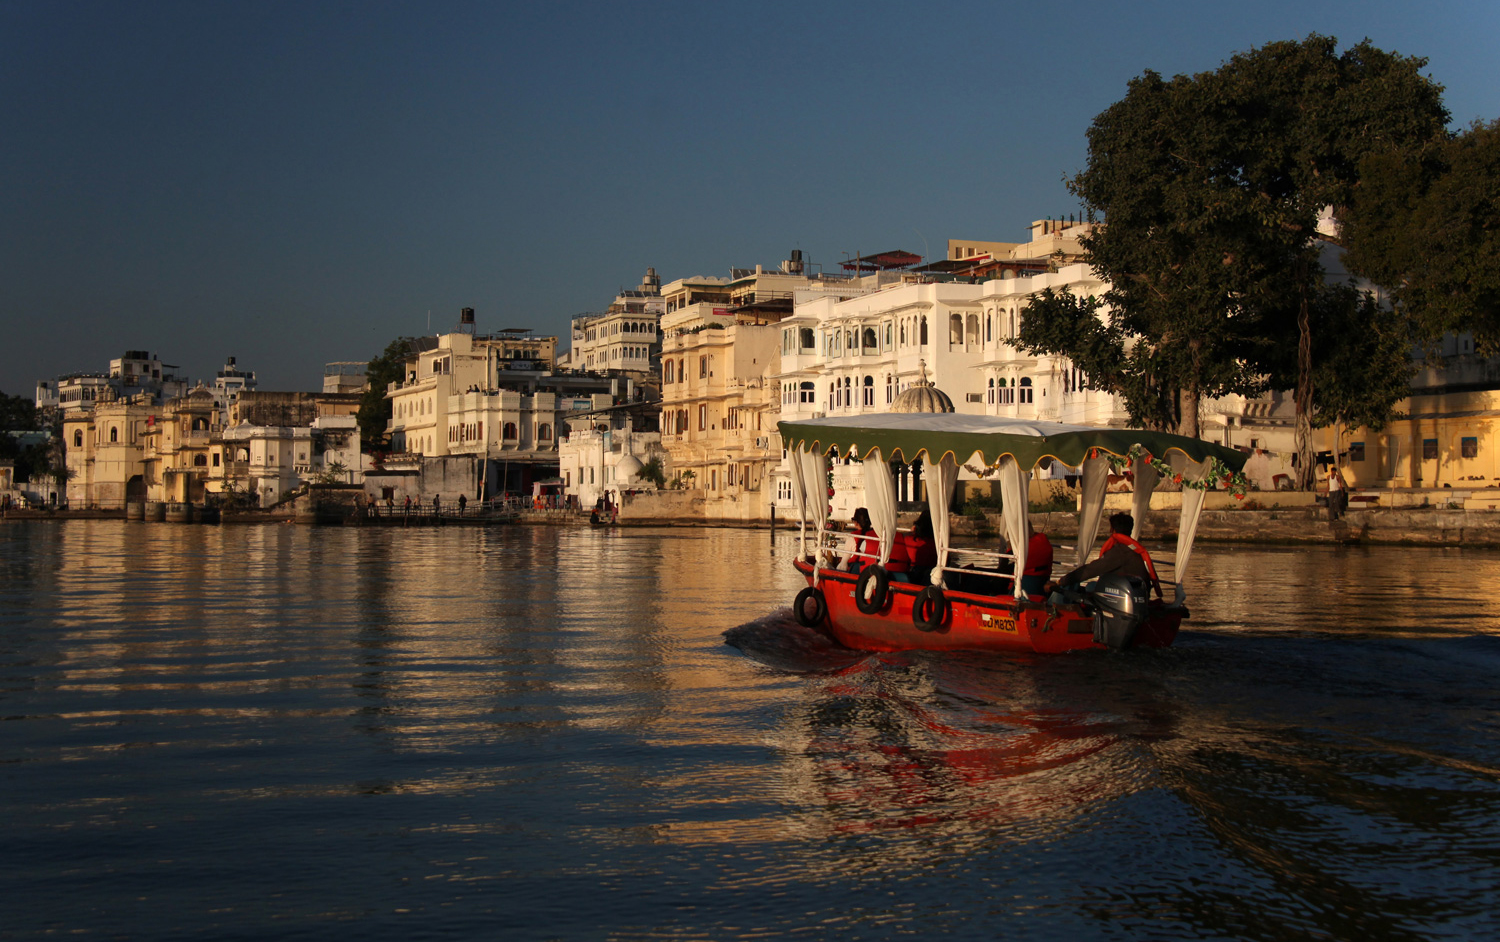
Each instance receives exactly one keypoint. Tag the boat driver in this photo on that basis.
(1120, 555)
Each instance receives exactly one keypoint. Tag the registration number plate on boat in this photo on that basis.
(998, 622)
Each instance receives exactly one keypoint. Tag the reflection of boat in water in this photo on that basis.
(873, 611)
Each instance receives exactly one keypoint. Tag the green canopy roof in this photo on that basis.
(908, 436)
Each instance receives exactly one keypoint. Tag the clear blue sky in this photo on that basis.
(294, 183)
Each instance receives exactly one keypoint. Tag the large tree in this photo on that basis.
(1426, 225)
(1210, 188)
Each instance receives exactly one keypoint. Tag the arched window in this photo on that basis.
(1012, 334)
(114, 433)
(544, 432)
(890, 393)
(922, 340)
(869, 341)
(509, 433)
(200, 461)
(869, 398)
(955, 329)
(991, 399)
(1026, 390)
(971, 336)
(807, 339)
(667, 372)
(903, 333)
(78, 438)
(806, 392)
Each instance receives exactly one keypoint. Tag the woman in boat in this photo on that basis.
(866, 543)
(1038, 562)
(919, 550)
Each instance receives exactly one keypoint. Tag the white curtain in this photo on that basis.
(1187, 529)
(941, 478)
(1095, 482)
(1015, 506)
(1140, 504)
(815, 484)
(880, 501)
(799, 491)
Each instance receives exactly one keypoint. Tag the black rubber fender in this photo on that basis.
(930, 609)
(820, 607)
(881, 591)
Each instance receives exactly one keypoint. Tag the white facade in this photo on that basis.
(593, 462)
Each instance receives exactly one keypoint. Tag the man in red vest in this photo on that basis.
(1120, 555)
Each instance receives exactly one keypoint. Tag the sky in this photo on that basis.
(295, 183)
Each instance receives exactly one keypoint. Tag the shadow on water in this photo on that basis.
(1237, 785)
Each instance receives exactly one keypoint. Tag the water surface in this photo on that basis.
(537, 733)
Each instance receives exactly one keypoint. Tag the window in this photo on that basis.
(809, 342)
(544, 432)
(1429, 449)
(922, 341)
(200, 461)
(509, 432)
(1026, 389)
(703, 367)
(78, 438)
(869, 396)
(702, 417)
(869, 341)
(956, 330)
(1356, 450)
(1468, 447)
(114, 433)
(991, 399)
(216, 459)
(971, 336)
(806, 392)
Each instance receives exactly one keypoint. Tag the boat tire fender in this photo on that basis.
(870, 599)
(929, 609)
(820, 607)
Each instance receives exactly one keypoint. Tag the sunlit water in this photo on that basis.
(535, 733)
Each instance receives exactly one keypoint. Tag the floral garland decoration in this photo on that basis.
(1215, 474)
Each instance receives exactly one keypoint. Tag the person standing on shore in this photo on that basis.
(1338, 494)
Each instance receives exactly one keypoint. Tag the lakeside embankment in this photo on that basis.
(1289, 525)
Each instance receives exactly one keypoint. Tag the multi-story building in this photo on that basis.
(106, 452)
(626, 337)
(720, 362)
(229, 382)
(177, 445)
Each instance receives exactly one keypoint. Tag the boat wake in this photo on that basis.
(776, 640)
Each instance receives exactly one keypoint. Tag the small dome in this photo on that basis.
(628, 469)
(922, 396)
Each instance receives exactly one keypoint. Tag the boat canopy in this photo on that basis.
(1011, 446)
(908, 437)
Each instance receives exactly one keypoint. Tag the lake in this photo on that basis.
(548, 733)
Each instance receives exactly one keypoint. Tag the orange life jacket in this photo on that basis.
(1120, 539)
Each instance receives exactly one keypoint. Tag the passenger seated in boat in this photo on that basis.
(918, 550)
(1120, 555)
(1038, 563)
(866, 543)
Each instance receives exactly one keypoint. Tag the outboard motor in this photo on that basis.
(1119, 604)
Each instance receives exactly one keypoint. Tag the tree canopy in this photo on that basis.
(1211, 188)
(374, 408)
(1425, 224)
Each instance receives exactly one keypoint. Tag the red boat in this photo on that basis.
(873, 611)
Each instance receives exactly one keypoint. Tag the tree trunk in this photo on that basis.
(1304, 398)
(1187, 422)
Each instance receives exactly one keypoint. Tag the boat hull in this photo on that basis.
(973, 622)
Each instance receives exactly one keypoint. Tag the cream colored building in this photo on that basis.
(106, 452)
(625, 337)
(721, 354)
(453, 400)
